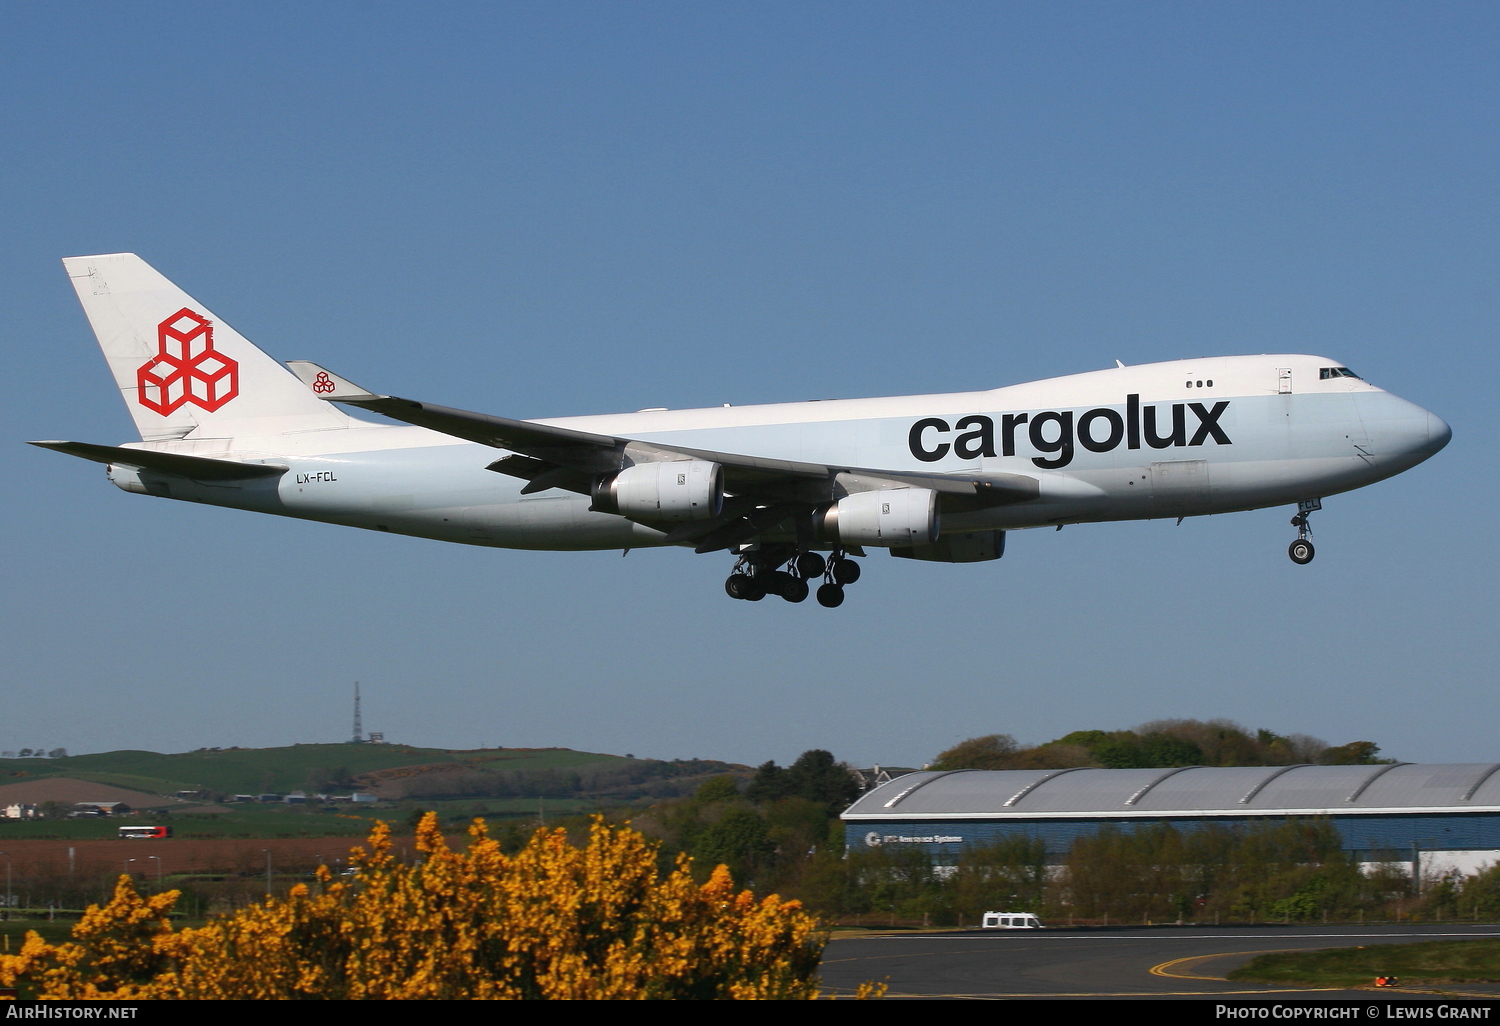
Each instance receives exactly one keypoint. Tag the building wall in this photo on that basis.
(1372, 838)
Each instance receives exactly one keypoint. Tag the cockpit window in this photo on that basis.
(1336, 372)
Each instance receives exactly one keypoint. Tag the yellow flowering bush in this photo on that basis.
(552, 921)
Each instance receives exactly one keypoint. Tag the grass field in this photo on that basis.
(13, 932)
(1459, 961)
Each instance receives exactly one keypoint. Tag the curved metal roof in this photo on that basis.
(1194, 790)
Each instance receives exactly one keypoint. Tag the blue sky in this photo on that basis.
(553, 209)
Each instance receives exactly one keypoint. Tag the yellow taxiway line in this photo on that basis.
(1164, 968)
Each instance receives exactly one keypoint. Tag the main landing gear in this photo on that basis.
(1301, 550)
(787, 573)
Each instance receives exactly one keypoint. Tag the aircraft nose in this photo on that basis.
(1438, 432)
(1403, 430)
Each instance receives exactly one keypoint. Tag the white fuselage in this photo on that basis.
(1121, 444)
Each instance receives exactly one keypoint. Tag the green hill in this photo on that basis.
(299, 767)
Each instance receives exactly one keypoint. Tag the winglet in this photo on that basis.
(328, 385)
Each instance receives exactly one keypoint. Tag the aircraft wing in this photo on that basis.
(762, 491)
(561, 446)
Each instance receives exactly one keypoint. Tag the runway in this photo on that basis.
(1177, 962)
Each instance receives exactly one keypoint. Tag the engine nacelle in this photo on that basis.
(975, 547)
(682, 490)
(126, 478)
(141, 482)
(888, 518)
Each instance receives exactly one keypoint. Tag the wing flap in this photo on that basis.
(540, 475)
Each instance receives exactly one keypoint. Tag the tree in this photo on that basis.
(553, 921)
(739, 840)
(1160, 743)
(1355, 753)
(990, 752)
(1287, 869)
(1009, 874)
(1085, 738)
(816, 777)
(1150, 751)
(769, 783)
(718, 789)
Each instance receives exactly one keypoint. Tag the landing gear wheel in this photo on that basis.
(794, 589)
(810, 564)
(779, 582)
(1301, 550)
(844, 571)
(830, 595)
(736, 585)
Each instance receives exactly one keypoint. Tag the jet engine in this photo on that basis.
(126, 478)
(887, 518)
(680, 490)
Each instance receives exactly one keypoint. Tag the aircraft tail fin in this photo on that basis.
(180, 369)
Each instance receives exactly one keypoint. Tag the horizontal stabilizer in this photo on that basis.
(195, 468)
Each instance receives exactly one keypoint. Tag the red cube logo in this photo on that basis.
(186, 367)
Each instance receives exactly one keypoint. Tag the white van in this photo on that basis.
(1010, 921)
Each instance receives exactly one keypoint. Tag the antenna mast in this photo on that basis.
(359, 732)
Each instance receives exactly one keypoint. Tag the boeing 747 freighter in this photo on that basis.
(792, 491)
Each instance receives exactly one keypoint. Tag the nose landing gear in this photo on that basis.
(1302, 550)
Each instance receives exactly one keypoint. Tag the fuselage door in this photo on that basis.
(1283, 381)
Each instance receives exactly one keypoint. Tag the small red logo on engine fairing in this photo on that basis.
(186, 367)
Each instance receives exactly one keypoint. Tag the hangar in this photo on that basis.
(1440, 817)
